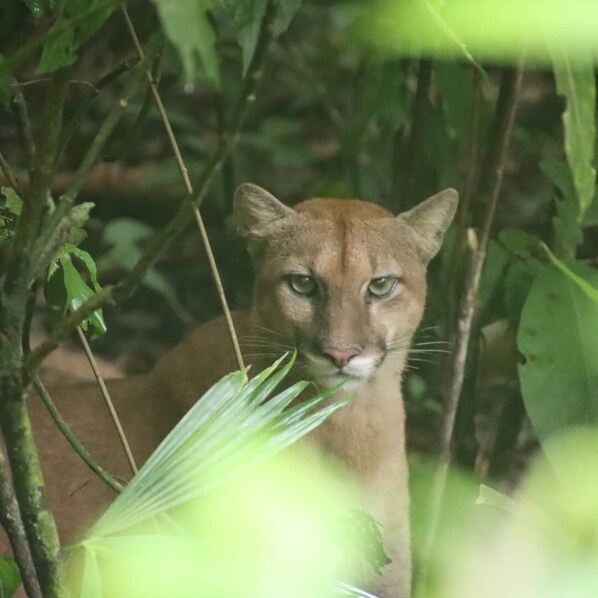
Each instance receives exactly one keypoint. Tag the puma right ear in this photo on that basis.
(430, 220)
(254, 209)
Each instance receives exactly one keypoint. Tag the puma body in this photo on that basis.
(341, 281)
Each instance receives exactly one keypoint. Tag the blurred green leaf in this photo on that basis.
(575, 80)
(557, 336)
(78, 21)
(247, 16)
(14, 203)
(10, 577)
(37, 7)
(186, 25)
(366, 531)
(125, 237)
(462, 28)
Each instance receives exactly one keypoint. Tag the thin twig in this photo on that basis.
(72, 439)
(21, 114)
(505, 115)
(86, 103)
(108, 400)
(189, 188)
(10, 518)
(227, 142)
(12, 181)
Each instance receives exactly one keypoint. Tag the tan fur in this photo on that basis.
(343, 245)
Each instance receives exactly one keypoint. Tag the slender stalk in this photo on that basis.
(226, 143)
(72, 439)
(21, 114)
(86, 104)
(12, 181)
(189, 188)
(108, 400)
(10, 518)
(505, 114)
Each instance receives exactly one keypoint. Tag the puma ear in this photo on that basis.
(430, 219)
(254, 209)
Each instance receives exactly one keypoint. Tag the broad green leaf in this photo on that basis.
(574, 76)
(10, 577)
(186, 25)
(583, 285)
(558, 339)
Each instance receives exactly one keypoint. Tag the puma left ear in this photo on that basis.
(430, 219)
(254, 209)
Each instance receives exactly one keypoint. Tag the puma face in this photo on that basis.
(341, 281)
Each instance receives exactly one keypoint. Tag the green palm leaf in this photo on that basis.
(234, 426)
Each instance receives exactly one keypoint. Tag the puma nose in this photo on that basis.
(341, 357)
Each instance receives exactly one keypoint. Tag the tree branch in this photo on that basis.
(10, 518)
(72, 439)
(505, 113)
(37, 519)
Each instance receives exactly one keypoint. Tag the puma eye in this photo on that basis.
(302, 284)
(383, 286)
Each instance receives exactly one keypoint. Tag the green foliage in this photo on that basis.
(234, 426)
(125, 238)
(575, 81)
(39, 8)
(10, 210)
(187, 26)
(66, 289)
(247, 16)
(10, 577)
(557, 336)
(78, 21)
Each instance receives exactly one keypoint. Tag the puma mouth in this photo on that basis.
(353, 374)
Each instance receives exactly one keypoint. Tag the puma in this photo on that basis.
(341, 281)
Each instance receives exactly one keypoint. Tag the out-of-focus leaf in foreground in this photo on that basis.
(550, 554)
(481, 29)
(198, 517)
